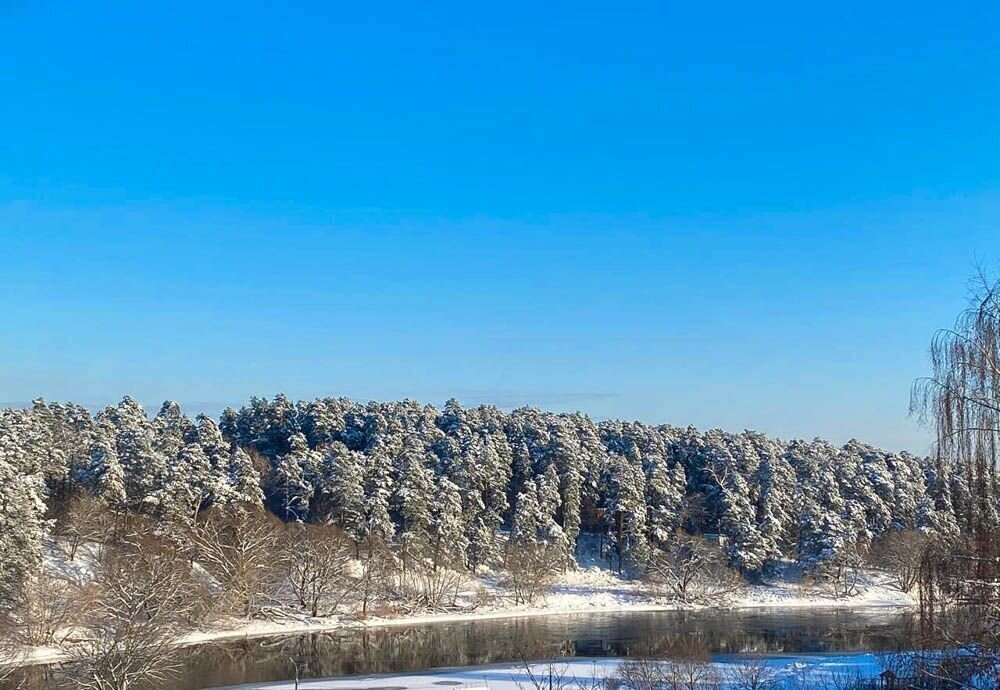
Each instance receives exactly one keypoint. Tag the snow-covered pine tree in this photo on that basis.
(549, 498)
(217, 452)
(936, 514)
(482, 472)
(143, 466)
(378, 490)
(746, 547)
(906, 480)
(22, 504)
(550, 532)
(773, 485)
(290, 490)
(866, 488)
(592, 455)
(187, 485)
(171, 430)
(244, 479)
(202, 478)
(528, 519)
(625, 511)
(229, 424)
(342, 490)
(733, 503)
(266, 426)
(105, 477)
(664, 499)
(72, 430)
(323, 420)
(413, 500)
(822, 530)
(447, 526)
(823, 534)
(52, 455)
(565, 456)
(522, 465)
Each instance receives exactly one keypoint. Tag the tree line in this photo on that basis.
(462, 487)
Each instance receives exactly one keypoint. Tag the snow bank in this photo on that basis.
(585, 672)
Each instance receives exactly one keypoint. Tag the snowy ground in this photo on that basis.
(587, 590)
(582, 673)
(594, 589)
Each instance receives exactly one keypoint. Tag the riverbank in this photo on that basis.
(585, 591)
(568, 600)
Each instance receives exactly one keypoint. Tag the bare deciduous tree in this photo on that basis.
(691, 569)
(430, 589)
(85, 520)
(240, 550)
(46, 607)
(377, 567)
(530, 568)
(551, 676)
(681, 673)
(643, 674)
(317, 558)
(143, 600)
(844, 573)
(961, 399)
(899, 552)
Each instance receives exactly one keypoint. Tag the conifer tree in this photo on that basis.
(105, 477)
(143, 466)
(413, 500)
(218, 454)
(625, 511)
(378, 490)
(664, 499)
(244, 479)
(171, 430)
(291, 490)
(344, 490)
(22, 506)
(446, 529)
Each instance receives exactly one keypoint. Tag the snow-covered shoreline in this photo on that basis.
(257, 629)
(268, 628)
(588, 592)
(591, 589)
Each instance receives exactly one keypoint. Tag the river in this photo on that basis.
(426, 646)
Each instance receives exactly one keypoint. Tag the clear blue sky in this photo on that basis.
(736, 215)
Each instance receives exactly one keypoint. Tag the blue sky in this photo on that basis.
(730, 215)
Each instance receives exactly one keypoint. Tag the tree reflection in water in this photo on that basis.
(659, 634)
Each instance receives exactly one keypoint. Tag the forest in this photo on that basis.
(466, 487)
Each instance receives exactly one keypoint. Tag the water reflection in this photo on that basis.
(398, 649)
